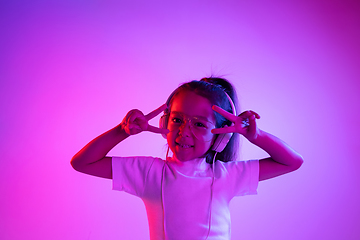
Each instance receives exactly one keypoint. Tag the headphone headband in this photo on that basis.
(231, 103)
(215, 85)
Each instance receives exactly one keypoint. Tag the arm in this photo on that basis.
(92, 159)
(283, 158)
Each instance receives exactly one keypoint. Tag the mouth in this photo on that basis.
(184, 145)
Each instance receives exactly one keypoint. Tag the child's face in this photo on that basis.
(182, 141)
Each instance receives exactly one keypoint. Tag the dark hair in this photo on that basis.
(213, 89)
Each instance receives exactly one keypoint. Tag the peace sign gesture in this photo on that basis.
(244, 124)
(135, 121)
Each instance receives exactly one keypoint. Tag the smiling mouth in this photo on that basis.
(183, 145)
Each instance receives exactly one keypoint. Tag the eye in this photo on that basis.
(176, 120)
(200, 124)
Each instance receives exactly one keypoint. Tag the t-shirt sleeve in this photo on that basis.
(245, 176)
(129, 173)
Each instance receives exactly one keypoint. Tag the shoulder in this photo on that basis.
(129, 173)
(237, 165)
(136, 162)
(236, 169)
(136, 159)
(240, 176)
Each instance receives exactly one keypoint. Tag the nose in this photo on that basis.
(185, 129)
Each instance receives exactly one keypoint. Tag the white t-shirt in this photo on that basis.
(182, 206)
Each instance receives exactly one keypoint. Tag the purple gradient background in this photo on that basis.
(70, 70)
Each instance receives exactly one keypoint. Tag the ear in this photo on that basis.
(163, 124)
(221, 142)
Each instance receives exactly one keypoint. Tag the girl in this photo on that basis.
(187, 196)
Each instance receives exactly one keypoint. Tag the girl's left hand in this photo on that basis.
(245, 123)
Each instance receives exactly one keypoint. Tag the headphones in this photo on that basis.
(221, 140)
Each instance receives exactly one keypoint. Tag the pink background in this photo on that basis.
(70, 70)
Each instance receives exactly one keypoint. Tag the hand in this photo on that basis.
(135, 122)
(245, 123)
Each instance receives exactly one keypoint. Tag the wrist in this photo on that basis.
(120, 130)
(257, 138)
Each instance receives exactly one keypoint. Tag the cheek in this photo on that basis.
(170, 138)
(211, 143)
(208, 145)
(203, 146)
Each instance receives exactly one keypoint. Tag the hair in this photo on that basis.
(213, 89)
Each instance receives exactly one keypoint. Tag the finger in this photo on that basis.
(224, 113)
(246, 114)
(133, 129)
(141, 122)
(252, 124)
(249, 113)
(255, 114)
(157, 130)
(230, 129)
(156, 112)
(135, 114)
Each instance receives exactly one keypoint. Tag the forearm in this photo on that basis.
(99, 147)
(283, 158)
(278, 150)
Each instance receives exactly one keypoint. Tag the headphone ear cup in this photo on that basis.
(163, 124)
(221, 141)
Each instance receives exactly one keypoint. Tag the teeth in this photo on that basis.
(184, 145)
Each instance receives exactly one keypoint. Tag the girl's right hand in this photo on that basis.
(92, 158)
(135, 122)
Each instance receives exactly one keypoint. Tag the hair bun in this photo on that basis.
(222, 83)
